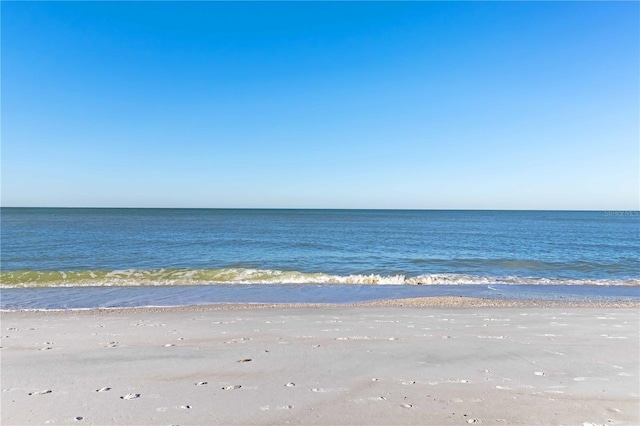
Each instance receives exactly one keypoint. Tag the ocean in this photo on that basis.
(88, 258)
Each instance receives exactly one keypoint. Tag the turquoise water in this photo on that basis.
(152, 248)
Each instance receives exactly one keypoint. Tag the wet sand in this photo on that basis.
(420, 361)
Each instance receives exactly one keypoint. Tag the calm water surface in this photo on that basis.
(54, 249)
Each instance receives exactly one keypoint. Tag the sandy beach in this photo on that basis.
(402, 362)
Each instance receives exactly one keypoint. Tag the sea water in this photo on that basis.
(85, 258)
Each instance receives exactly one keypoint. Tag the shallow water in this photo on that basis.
(118, 297)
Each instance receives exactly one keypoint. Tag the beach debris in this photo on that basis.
(202, 383)
(131, 396)
(290, 384)
(105, 389)
(231, 387)
(44, 392)
(78, 418)
(246, 360)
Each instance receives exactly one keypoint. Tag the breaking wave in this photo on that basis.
(183, 277)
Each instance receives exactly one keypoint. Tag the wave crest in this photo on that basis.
(176, 277)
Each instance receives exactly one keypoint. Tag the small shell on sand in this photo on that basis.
(131, 396)
(44, 392)
(231, 387)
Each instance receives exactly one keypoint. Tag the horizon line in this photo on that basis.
(316, 208)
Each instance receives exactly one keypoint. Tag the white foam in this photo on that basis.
(164, 277)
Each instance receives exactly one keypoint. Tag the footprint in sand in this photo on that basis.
(290, 384)
(168, 345)
(105, 389)
(185, 407)
(231, 387)
(539, 373)
(131, 396)
(78, 418)
(44, 392)
(318, 390)
(246, 360)
(202, 383)
(407, 405)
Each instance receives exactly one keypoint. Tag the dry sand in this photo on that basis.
(471, 362)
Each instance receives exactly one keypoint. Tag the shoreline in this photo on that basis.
(415, 302)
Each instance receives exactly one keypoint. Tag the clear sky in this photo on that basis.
(528, 105)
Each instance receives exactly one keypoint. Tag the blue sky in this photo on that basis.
(531, 105)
